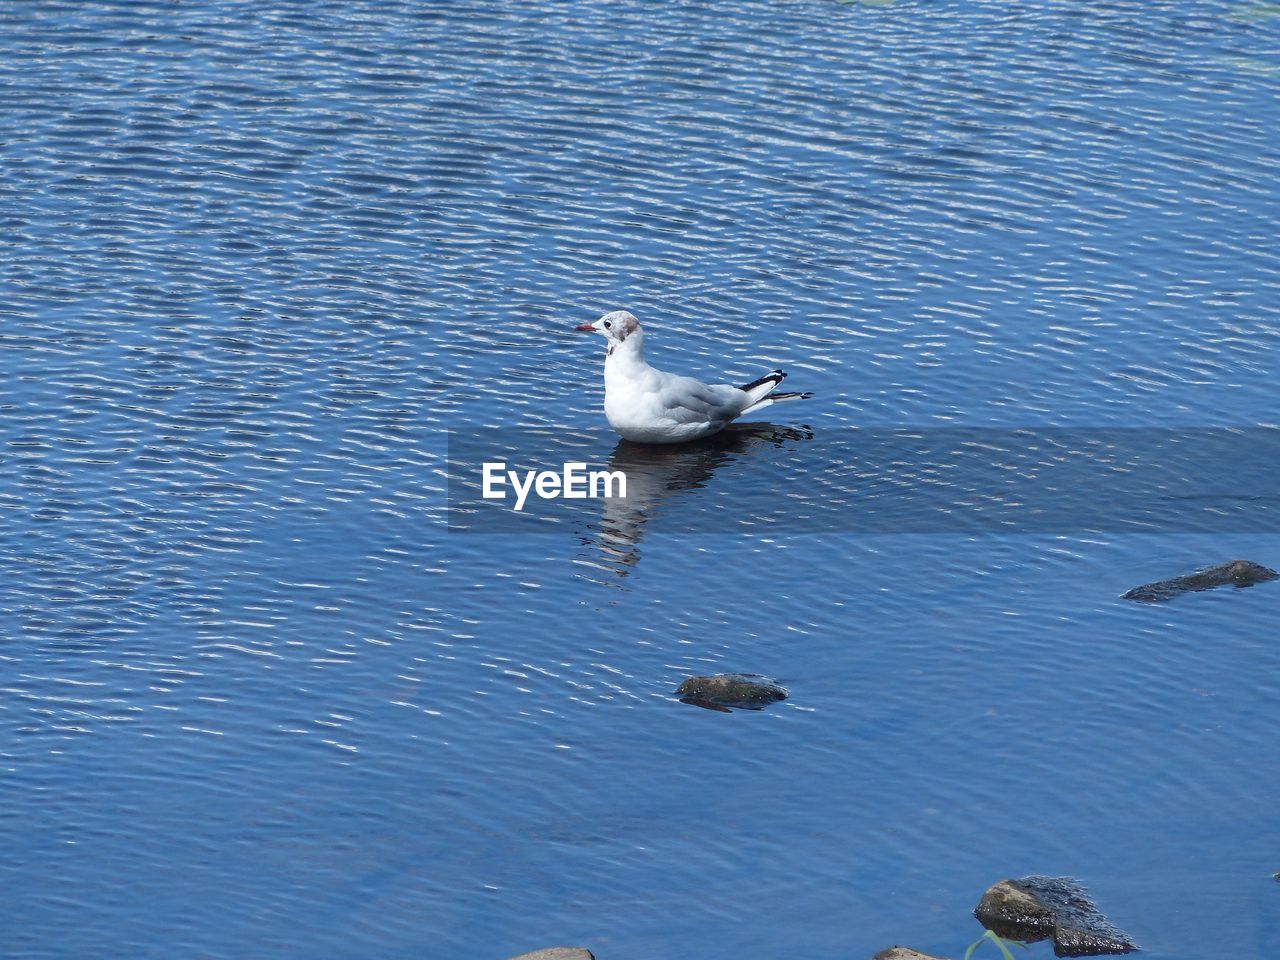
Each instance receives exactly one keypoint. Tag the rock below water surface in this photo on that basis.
(1239, 573)
(1036, 908)
(745, 691)
(558, 953)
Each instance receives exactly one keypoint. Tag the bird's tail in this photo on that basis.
(777, 398)
(762, 395)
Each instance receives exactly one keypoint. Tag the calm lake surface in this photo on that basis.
(260, 260)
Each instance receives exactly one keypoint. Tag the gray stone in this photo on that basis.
(558, 953)
(745, 691)
(903, 953)
(1238, 573)
(1036, 908)
(1008, 905)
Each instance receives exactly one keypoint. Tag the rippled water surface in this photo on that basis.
(259, 258)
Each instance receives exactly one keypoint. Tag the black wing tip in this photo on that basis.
(777, 376)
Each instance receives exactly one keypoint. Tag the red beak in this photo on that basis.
(585, 328)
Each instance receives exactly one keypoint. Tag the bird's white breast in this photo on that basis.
(635, 406)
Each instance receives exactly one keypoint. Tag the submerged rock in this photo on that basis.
(1036, 908)
(558, 953)
(1239, 573)
(1007, 904)
(903, 953)
(745, 691)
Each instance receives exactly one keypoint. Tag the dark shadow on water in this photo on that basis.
(708, 705)
(657, 475)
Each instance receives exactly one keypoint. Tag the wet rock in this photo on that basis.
(1238, 573)
(1008, 905)
(558, 953)
(744, 691)
(1036, 908)
(903, 953)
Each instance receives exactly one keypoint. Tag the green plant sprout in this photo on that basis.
(998, 941)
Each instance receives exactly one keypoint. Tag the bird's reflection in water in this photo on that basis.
(658, 473)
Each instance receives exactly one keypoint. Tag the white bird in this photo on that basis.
(647, 405)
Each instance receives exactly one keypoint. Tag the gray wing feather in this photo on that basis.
(692, 401)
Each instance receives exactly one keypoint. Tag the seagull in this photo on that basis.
(646, 405)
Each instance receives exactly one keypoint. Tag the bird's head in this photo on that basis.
(615, 327)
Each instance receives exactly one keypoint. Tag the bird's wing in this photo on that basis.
(690, 401)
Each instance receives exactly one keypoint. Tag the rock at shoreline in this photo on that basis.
(743, 691)
(1036, 908)
(1239, 573)
(903, 953)
(558, 953)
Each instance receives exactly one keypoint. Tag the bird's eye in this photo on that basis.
(608, 324)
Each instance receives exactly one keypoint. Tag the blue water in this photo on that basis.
(258, 701)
